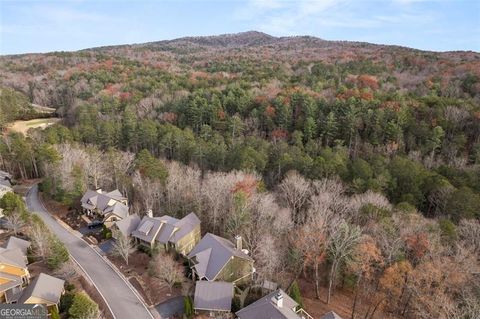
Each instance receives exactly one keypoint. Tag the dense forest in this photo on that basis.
(371, 152)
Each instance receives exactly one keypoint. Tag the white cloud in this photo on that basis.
(287, 17)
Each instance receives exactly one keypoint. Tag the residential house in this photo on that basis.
(213, 298)
(110, 206)
(167, 232)
(44, 289)
(126, 226)
(276, 305)
(331, 315)
(216, 258)
(14, 273)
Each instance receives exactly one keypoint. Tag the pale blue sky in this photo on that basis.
(42, 26)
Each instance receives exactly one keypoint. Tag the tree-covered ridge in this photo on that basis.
(393, 120)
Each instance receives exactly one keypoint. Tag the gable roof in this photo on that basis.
(147, 229)
(100, 200)
(213, 295)
(119, 209)
(17, 243)
(13, 257)
(11, 281)
(330, 315)
(128, 224)
(44, 287)
(185, 226)
(212, 254)
(266, 308)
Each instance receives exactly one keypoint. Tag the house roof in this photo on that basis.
(100, 200)
(212, 254)
(17, 243)
(12, 281)
(266, 308)
(119, 209)
(14, 257)
(128, 224)
(185, 226)
(213, 295)
(147, 229)
(330, 315)
(44, 287)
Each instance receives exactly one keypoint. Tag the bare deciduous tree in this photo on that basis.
(123, 247)
(343, 239)
(40, 240)
(149, 191)
(294, 192)
(164, 267)
(14, 221)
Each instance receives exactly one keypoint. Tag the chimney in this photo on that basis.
(99, 190)
(279, 299)
(238, 240)
(150, 213)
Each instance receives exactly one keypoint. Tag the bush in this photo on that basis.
(188, 307)
(295, 294)
(58, 254)
(66, 302)
(54, 314)
(83, 307)
(448, 230)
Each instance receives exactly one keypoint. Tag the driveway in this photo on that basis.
(171, 307)
(121, 299)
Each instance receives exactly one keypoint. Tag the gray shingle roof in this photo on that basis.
(212, 254)
(17, 243)
(119, 209)
(99, 200)
(213, 295)
(14, 257)
(147, 229)
(45, 287)
(128, 224)
(266, 308)
(13, 281)
(185, 225)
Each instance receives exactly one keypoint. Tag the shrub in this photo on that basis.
(188, 306)
(66, 302)
(54, 314)
(295, 294)
(448, 230)
(83, 307)
(58, 254)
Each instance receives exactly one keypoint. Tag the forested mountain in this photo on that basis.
(360, 123)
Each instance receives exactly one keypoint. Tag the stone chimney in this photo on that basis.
(150, 213)
(238, 240)
(279, 299)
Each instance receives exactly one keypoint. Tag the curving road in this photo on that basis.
(120, 298)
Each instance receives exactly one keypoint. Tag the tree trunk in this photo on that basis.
(355, 299)
(375, 309)
(330, 283)
(317, 281)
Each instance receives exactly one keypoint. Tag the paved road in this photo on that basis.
(121, 299)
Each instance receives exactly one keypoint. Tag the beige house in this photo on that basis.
(14, 275)
(169, 233)
(44, 289)
(109, 206)
(217, 259)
